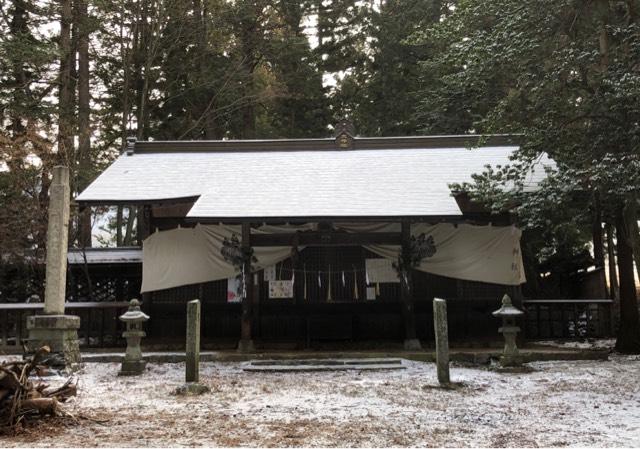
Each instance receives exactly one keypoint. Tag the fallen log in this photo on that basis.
(42, 406)
(21, 399)
(63, 392)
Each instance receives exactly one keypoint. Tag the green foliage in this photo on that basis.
(383, 75)
(412, 254)
(564, 75)
(210, 69)
(237, 255)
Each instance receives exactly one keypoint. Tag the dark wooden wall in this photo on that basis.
(103, 282)
(315, 318)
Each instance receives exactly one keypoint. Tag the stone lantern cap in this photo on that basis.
(507, 310)
(134, 313)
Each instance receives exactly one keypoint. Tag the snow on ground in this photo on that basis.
(602, 343)
(576, 403)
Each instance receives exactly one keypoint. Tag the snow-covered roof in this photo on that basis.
(77, 256)
(309, 178)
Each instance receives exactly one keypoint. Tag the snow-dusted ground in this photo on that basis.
(577, 403)
(603, 343)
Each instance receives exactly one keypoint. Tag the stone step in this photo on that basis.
(307, 365)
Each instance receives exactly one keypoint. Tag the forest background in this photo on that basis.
(77, 77)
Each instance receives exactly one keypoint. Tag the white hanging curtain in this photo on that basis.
(472, 253)
(186, 256)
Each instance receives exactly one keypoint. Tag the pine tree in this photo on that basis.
(564, 75)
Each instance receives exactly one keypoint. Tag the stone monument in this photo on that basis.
(53, 327)
(441, 330)
(192, 372)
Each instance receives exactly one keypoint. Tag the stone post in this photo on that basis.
(53, 327)
(192, 368)
(193, 342)
(440, 327)
(57, 242)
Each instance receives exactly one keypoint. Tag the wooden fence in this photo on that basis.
(100, 326)
(564, 318)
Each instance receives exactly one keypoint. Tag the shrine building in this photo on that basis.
(316, 227)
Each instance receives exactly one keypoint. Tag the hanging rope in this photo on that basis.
(326, 272)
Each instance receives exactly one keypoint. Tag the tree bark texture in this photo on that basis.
(628, 340)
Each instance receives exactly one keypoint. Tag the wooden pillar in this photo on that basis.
(411, 341)
(517, 299)
(143, 231)
(246, 341)
(516, 296)
(119, 225)
(144, 223)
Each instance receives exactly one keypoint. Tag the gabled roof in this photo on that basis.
(308, 178)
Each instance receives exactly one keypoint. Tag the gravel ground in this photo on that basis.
(577, 403)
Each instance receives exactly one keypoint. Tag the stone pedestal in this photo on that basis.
(60, 333)
(246, 346)
(133, 363)
(53, 328)
(510, 355)
(412, 344)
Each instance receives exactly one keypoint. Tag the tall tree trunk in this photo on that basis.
(632, 220)
(628, 340)
(598, 244)
(84, 124)
(138, 62)
(603, 38)
(66, 87)
(614, 292)
(149, 31)
(125, 55)
(206, 106)
(18, 27)
(249, 39)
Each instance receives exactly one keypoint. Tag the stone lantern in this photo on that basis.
(509, 329)
(133, 363)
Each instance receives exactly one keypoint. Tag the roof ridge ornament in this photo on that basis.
(345, 134)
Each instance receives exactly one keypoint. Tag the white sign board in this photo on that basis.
(371, 293)
(234, 289)
(281, 289)
(380, 270)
